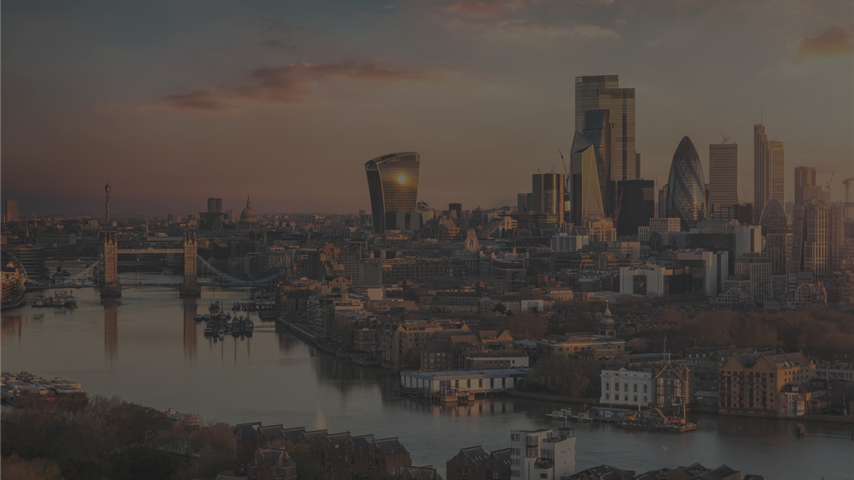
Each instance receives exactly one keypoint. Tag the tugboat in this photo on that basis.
(248, 327)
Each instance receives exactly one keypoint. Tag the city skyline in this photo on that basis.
(283, 101)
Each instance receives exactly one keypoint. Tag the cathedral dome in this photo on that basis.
(248, 215)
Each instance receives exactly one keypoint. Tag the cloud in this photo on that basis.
(292, 83)
(835, 41)
(279, 45)
(480, 9)
(521, 30)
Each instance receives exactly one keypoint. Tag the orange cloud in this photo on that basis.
(288, 84)
(833, 42)
(477, 9)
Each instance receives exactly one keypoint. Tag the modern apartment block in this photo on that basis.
(542, 454)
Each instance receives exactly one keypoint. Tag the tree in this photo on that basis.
(500, 308)
(14, 467)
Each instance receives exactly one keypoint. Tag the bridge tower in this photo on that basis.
(111, 287)
(190, 285)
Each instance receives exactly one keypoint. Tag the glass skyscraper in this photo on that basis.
(548, 196)
(723, 175)
(597, 130)
(602, 92)
(393, 185)
(585, 188)
(769, 176)
(686, 188)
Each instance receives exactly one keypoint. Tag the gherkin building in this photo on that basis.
(686, 191)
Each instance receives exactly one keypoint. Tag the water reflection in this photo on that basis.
(111, 329)
(11, 326)
(191, 336)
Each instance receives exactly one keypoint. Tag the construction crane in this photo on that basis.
(847, 183)
(831, 179)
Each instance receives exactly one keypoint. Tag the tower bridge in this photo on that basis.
(111, 287)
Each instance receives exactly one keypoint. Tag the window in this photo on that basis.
(515, 473)
(515, 451)
(495, 475)
(468, 383)
(626, 397)
(547, 453)
(636, 388)
(636, 398)
(544, 475)
(514, 437)
(644, 388)
(644, 398)
(607, 396)
(616, 387)
(515, 462)
(607, 386)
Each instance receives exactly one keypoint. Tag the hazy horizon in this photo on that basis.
(175, 103)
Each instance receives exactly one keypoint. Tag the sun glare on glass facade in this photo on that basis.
(393, 185)
(686, 194)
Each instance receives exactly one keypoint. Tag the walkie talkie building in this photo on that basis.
(686, 192)
(393, 185)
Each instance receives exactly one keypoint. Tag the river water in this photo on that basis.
(146, 348)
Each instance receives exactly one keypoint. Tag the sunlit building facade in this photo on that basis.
(602, 92)
(598, 131)
(393, 186)
(548, 196)
(686, 196)
(585, 188)
(778, 236)
(723, 175)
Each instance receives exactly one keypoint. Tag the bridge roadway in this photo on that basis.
(60, 286)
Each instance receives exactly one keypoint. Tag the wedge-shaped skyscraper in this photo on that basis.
(393, 185)
(598, 130)
(686, 192)
(585, 186)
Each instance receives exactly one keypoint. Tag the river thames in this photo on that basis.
(146, 348)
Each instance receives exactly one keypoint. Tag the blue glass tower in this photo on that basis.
(686, 190)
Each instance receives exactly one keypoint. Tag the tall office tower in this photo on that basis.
(602, 92)
(723, 175)
(804, 177)
(393, 186)
(214, 205)
(598, 131)
(585, 189)
(11, 210)
(836, 236)
(686, 188)
(107, 190)
(456, 207)
(810, 240)
(769, 171)
(637, 205)
(662, 201)
(522, 202)
(778, 236)
(761, 189)
(777, 171)
(548, 195)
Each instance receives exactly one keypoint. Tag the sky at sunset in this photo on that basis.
(174, 102)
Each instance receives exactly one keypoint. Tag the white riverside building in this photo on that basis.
(542, 454)
(475, 381)
(626, 387)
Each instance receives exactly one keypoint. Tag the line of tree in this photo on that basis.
(108, 438)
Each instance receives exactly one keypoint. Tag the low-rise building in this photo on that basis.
(542, 454)
(496, 359)
(626, 387)
(575, 344)
(752, 383)
(474, 463)
(474, 381)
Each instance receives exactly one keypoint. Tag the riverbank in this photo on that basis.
(550, 397)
